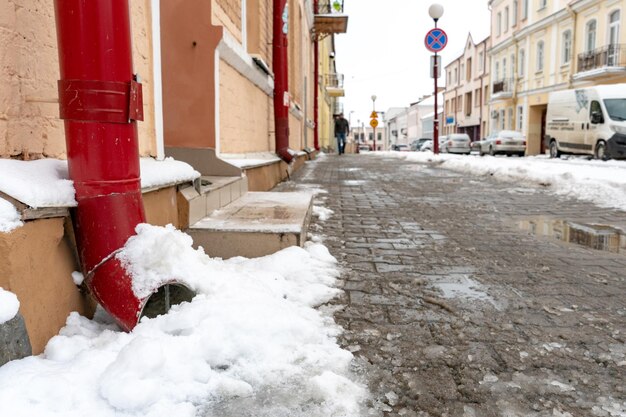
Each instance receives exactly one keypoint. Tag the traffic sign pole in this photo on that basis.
(436, 39)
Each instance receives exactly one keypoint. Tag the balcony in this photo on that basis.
(334, 85)
(502, 89)
(605, 61)
(329, 18)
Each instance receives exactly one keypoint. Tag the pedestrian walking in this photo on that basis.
(341, 130)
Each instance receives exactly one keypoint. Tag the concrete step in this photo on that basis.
(257, 224)
(208, 193)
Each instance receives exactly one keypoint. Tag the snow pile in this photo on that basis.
(599, 182)
(9, 306)
(250, 343)
(166, 172)
(322, 213)
(9, 217)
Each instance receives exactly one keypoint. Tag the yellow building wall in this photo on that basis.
(29, 114)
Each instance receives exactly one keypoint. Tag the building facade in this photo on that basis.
(466, 95)
(547, 45)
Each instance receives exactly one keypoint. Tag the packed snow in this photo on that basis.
(250, 343)
(600, 182)
(9, 306)
(45, 183)
(322, 213)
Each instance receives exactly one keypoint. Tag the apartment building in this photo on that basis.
(541, 46)
(210, 87)
(467, 91)
(417, 112)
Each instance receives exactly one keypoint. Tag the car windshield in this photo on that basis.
(616, 107)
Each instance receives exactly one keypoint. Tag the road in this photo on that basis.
(454, 307)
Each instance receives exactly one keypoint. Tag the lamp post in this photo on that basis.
(374, 110)
(436, 11)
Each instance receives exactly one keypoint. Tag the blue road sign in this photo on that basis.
(436, 39)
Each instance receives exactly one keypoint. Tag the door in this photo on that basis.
(596, 120)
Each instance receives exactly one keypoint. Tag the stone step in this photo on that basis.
(209, 193)
(257, 224)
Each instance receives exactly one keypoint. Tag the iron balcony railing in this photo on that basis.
(502, 86)
(606, 56)
(333, 80)
(329, 6)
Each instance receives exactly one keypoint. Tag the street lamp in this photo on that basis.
(374, 111)
(436, 11)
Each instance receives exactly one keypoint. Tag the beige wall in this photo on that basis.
(246, 114)
(29, 123)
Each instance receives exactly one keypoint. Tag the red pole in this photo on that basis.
(280, 61)
(316, 76)
(436, 118)
(100, 103)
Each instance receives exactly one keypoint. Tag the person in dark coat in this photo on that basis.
(342, 127)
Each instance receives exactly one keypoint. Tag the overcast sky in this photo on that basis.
(383, 52)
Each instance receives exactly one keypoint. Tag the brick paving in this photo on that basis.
(452, 309)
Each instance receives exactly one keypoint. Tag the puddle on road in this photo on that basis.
(350, 169)
(353, 182)
(463, 287)
(595, 236)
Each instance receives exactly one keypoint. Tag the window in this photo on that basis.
(477, 97)
(486, 95)
(449, 77)
(497, 72)
(590, 37)
(613, 38)
(540, 56)
(522, 62)
(380, 136)
(510, 118)
(371, 135)
(481, 56)
(514, 17)
(512, 66)
(469, 69)
(506, 19)
(524, 9)
(468, 104)
(543, 4)
(504, 68)
(499, 24)
(520, 118)
(502, 120)
(566, 53)
(455, 76)
(461, 72)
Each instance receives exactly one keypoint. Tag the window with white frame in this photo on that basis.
(497, 72)
(506, 19)
(512, 65)
(614, 22)
(566, 47)
(503, 68)
(520, 118)
(521, 62)
(499, 24)
(524, 9)
(456, 79)
(502, 119)
(543, 4)
(540, 56)
(480, 61)
(514, 16)
(510, 118)
(590, 35)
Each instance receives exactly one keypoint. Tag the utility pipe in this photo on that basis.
(100, 103)
(280, 62)
(316, 77)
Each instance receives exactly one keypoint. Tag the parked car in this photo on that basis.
(427, 146)
(508, 142)
(364, 148)
(416, 145)
(477, 145)
(588, 121)
(400, 148)
(455, 143)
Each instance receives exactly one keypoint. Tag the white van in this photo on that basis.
(588, 121)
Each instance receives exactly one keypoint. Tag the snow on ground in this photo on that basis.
(250, 343)
(322, 213)
(9, 305)
(600, 182)
(45, 183)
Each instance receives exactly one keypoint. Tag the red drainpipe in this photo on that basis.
(100, 103)
(280, 62)
(316, 76)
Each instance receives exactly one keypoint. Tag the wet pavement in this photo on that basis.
(465, 296)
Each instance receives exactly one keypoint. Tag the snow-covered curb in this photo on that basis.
(600, 182)
(251, 343)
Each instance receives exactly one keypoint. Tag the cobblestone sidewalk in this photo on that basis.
(452, 307)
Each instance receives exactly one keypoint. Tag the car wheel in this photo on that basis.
(521, 154)
(600, 151)
(491, 151)
(554, 150)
